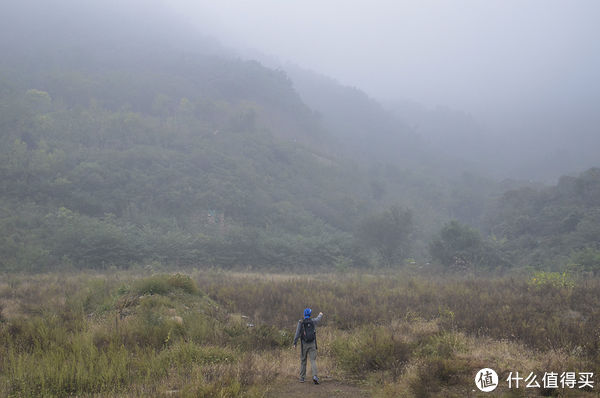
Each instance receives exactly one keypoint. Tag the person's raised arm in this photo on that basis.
(318, 318)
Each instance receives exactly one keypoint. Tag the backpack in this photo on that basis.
(308, 330)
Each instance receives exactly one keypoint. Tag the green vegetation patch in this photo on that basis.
(369, 349)
(165, 284)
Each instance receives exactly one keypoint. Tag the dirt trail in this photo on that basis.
(327, 388)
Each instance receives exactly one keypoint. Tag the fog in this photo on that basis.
(179, 179)
(525, 73)
(528, 72)
(466, 54)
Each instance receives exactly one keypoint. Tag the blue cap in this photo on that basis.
(307, 313)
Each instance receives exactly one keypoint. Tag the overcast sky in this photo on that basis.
(470, 55)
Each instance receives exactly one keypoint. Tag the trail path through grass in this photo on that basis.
(327, 388)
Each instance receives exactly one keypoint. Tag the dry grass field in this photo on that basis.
(208, 333)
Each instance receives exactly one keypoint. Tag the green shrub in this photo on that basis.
(256, 337)
(441, 345)
(586, 260)
(150, 327)
(545, 279)
(370, 349)
(438, 372)
(202, 329)
(461, 246)
(165, 283)
(184, 355)
(183, 282)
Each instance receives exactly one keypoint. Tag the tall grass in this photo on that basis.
(108, 336)
(542, 317)
(227, 334)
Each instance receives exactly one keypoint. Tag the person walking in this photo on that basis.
(306, 332)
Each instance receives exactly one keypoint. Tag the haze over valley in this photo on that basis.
(180, 180)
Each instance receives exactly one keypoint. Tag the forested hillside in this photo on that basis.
(552, 226)
(127, 162)
(128, 148)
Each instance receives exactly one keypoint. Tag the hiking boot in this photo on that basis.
(316, 380)
(302, 380)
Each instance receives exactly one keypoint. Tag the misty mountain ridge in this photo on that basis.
(124, 148)
(67, 33)
(383, 134)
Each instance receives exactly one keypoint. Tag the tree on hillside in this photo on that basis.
(459, 245)
(586, 260)
(388, 234)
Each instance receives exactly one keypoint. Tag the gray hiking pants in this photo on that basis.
(310, 350)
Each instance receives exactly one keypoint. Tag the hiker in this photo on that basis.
(306, 332)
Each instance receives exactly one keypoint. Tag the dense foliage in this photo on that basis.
(211, 161)
(96, 177)
(545, 227)
(174, 150)
(461, 247)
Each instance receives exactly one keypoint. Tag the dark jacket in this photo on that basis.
(299, 327)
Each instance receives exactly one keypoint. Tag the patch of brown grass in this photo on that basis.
(404, 335)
